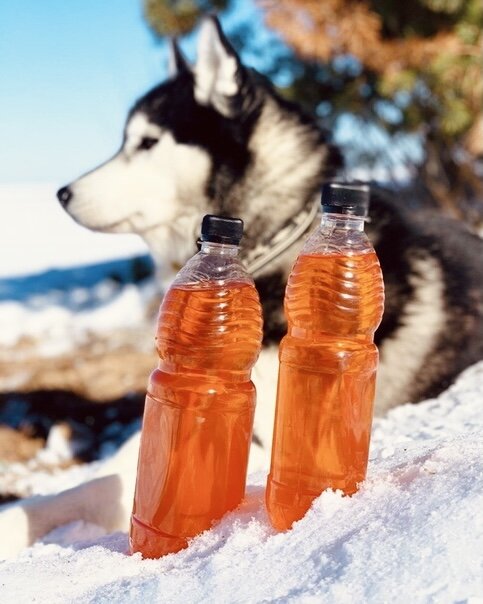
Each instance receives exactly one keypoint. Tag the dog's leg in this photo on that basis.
(265, 375)
(105, 501)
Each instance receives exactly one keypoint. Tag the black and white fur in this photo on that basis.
(217, 139)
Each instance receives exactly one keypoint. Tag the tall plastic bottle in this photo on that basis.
(200, 404)
(333, 304)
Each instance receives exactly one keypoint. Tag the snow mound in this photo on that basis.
(413, 532)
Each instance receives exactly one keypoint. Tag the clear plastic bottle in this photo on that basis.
(333, 304)
(198, 418)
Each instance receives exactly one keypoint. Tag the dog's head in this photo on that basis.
(188, 144)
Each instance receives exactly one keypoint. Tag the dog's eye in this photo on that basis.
(147, 142)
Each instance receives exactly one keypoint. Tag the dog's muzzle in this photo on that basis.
(64, 195)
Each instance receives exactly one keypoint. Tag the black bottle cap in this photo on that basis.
(345, 198)
(221, 229)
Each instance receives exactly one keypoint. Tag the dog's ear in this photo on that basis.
(176, 60)
(219, 74)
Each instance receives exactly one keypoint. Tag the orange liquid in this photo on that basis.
(198, 418)
(325, 396)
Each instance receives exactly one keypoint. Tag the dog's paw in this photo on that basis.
(14, 530)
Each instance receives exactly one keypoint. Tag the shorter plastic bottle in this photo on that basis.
(198, 418)
(333, 304)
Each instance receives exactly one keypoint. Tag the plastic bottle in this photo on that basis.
(198, 418)
(333, 304)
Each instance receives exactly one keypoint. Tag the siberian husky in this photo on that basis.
(216, 138)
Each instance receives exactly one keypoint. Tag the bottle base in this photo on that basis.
(285, 505)
(152, 543)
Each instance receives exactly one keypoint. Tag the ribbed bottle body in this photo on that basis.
(335, 293)
(198, 418)
(328, 361)
(205, 328)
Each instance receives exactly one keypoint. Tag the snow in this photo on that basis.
(58, 328)
(414, 532)
(49, 298)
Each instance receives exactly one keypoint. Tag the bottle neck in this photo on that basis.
(342, 221)
(220, 249)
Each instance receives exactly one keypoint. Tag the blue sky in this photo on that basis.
(70, 69)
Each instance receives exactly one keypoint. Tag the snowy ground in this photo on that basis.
(414, 532)
(72, 302)
(68, 297)
(46, 291)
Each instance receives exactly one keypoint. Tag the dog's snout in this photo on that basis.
(64, 195)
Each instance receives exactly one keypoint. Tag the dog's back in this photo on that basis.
(433, 321)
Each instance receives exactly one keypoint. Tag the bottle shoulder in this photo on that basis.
(203, 270)
(330, 239)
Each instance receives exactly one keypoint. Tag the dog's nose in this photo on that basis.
(64, 195)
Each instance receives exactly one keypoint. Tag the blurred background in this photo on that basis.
(399, 84)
